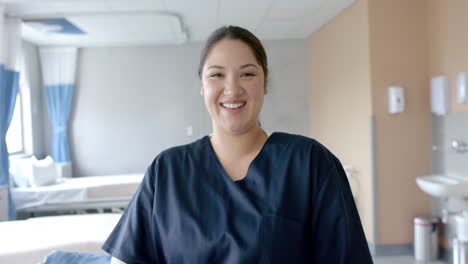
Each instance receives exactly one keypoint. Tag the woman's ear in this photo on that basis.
(201, 90)
(265, 91)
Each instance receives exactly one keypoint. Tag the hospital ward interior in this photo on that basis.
(92, 91)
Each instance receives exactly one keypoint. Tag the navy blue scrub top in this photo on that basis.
(294, 206)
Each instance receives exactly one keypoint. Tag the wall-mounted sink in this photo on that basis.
(444, 185)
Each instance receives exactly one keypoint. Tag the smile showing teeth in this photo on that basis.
(233, 106)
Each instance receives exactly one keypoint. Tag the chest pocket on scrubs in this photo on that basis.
(282, 240)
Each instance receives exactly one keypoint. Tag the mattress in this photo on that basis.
(29, 241)
(74, 191)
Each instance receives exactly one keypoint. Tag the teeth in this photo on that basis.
(233, 106)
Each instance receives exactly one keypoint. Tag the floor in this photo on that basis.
(402, 260)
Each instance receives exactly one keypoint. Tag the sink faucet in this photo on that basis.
(446, 214)
(459, 146)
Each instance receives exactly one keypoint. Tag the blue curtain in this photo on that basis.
(59, 101)
(8, 92)
(58, 74)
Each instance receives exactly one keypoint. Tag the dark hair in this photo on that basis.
(235, 33)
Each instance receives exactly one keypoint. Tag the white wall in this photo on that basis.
(132, 103)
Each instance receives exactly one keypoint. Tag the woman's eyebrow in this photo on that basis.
(241, 67)
(215, 66)
(248, 65)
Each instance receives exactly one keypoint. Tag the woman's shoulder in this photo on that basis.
(300, 143)
(297, 140)
(182, 151)
(294, 138)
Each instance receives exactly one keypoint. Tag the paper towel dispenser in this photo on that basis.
(440, 95)
(462, 88)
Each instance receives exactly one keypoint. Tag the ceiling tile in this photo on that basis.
(198, 15)
(288, 19)
(157, 27)
(79, 7)
(278, 30)
(244, 13)
(137, 5)
(21, 9)
(287, 14)
(322, 16)
(299, 4)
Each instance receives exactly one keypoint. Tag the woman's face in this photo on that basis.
(233, 86)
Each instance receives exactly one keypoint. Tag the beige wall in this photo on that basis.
(448, 41)
(399, 56)
(352, 61)
(339, 90)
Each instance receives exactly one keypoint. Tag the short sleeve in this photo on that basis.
(133, 238)
(338, 236)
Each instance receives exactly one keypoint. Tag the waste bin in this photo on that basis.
(426, 232)
(459, 252)
(460, 243)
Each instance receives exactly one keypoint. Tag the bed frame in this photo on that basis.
(77, 195)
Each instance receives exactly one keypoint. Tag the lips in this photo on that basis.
(233, 105)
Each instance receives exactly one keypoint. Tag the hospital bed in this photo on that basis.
(81, 193)
(29, 241)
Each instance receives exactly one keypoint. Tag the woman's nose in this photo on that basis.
(232, 87)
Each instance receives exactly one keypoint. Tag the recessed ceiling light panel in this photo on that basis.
(55, 26)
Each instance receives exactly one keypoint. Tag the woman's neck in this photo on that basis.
(233, 146)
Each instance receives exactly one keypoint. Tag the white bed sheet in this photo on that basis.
(29, 241)
(78, 190)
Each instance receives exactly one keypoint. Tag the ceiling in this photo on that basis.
(150, 22)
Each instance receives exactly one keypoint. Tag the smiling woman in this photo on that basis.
(233, 87)
(241, 195)
(234, 70)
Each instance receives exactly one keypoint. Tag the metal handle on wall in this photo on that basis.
(459, 146)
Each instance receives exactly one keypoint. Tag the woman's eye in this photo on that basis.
(216, 75)
(248, 74)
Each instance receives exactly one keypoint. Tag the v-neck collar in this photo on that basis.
(220, 166)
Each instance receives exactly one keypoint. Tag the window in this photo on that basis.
(15, 137)
(19, 135)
